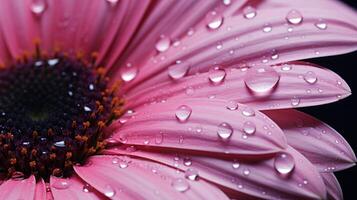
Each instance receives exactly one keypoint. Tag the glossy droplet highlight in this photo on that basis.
(129, 72)
(109, 191)
(61, 184)
(178, 70)
(163, 44)
(310, 77)
(249, 128)
(183, 112)
(321, 24)
(217, 76)
(87, 188)
(191, 174)
(214, 20)
(38, 7)
(284, 163)
(267, 28)
(249, 12)
(232, 105)
(294, 17)
(180, 185)
(235, 164)
(261, 79)
(248, 112)
(224, 131)
(295, 101)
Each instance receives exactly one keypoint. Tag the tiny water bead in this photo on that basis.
(321, 24)
(183, 112)
(54, 110)
(310, 77)
(261, 79)
(284, 163)
(249, 12)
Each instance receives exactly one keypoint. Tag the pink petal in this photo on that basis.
(129, 178)
(250, 45)
(334, 191)
(72, 188)
(40, 191)
(263, 180)
(18, 189)
(321, 144)
(210, 127)
(292, 90)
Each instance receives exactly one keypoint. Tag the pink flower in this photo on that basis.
(205, 108)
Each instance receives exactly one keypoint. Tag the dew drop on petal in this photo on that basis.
(129, 72)
(232, 105)
(310, 77)
(61, 184)
(191, 174)
(217, 76)
(284, 163)
(163, 44)
(249, 12)
(178, 70)
(224, 131)
(112, 2)
(249, 128)
(115, 160)
(38, 6)
(214, 20)
(267, 28)
(294, 17)
(295, 101)
(235, 164)
(261, 79)
(183, 112)
(321, 24)
(248, 112)
(227, 2)
(187, 161)
(246, 172)
(87, 188)
(109, 191)
(286, 67)
(180, 185)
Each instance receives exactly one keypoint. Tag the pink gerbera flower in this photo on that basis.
(138, 99)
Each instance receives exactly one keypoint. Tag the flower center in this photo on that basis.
(53, 112)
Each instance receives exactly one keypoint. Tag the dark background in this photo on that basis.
(342, 115)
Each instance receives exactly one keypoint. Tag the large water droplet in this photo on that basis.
(321, 24)
(284, 163)
(261, 79)
(183, 112)
(38, 7)
(109, 191)
(249, 12)
(191, 174)
(249, 128)
(180, 185)
(224, 131)
(217, 76)
(129, 72)
(310, 77)
(294, 17)
(178, 70)
(61, 184)
(214, 20)
(163, 44)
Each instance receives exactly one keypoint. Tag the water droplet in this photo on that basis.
(61, 184)
(38, 7)
(295, 101)
(294, 17)
(286, 67)
(284, 163)
(159, 138)
(235, 164)
(190, 32)
(267, 28)
(249, 128)
(217, 76)
(214, 20)
(219, 46)
(183, 112)
(191, 174)
(91, 87)
(115, 160)
(178, 70)
(60, 144)
(310, 77)
(274, 55)
(123, 164)
(321, 24)
(163, 44)
(52, 62)
(261, 79)
(246, 172)
(87, 109)
(87, 188)
(249, 12)
(180, 185)
(109, 191)
(224, 131)
(248, 112)
(226, 2)
(187, 161)
(232, 105)
(70, 93)
(129, 72)
(112, 2)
